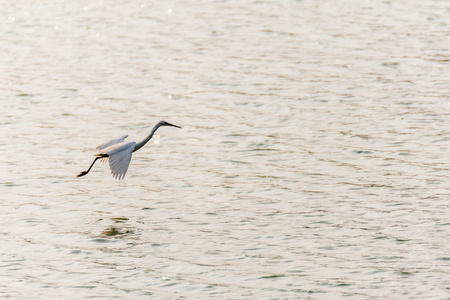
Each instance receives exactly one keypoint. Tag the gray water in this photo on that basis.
(313, 162)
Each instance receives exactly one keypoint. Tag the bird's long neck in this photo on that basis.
(147, 138)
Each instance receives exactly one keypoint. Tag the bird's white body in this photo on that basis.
(118, 152)
(119, 155)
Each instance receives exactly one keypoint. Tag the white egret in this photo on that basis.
(118, 152)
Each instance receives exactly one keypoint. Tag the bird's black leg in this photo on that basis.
(85, 172)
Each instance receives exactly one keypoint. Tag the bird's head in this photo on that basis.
(165, 123)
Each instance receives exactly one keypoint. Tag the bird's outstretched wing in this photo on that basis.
(118, 140)
(119, 159)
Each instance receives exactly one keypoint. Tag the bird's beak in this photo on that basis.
(168, 124)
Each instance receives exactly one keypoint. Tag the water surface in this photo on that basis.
(312, 164)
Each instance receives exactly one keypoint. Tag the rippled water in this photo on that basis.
(313, 160)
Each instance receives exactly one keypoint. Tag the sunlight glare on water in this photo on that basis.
(312, 160)
(156, 138)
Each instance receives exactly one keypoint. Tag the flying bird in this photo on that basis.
(118, 152)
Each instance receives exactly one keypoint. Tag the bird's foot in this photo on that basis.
(82, 174)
